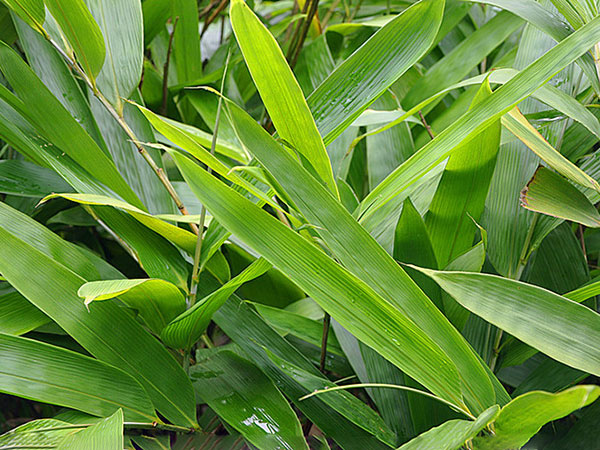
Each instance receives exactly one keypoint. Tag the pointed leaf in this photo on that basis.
(104, 435)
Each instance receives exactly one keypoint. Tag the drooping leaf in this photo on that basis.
(29, 180)
(248, 401)
(108, 332)
(565, 334)
(49, 374)
(31, 11)
(549, 193)
(18, 316)
(157, 301)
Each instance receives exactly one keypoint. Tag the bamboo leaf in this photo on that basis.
(81, 31)
(104, 435)
(121, 24)
(46, 432)
(523, 417)
(248, 401)
(29, 180)
(549, 193)
(18, 316)
(279, 90)
(157, 301)
(518, 125)
(108, 332)
(452, 434)
(31, 11)
(371, 69)
(566, 334)
(187, 328)
(374, 320)
(54, 375)
(500, 102)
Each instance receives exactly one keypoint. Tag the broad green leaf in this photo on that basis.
(371, 69)
(248, 401)
(501, 101)
(566, 333)
(279, 91)
(29, 180)
(517, 124)
(121, 24)
(187, 328)
(44, 432)
(104, 435)
(460, 196)
(108, 332)
(49, 374)
(52, 120)
(186, 41)
(371, 318)
(182, 238)
(363, 256)
(31, 11)
(549, 193)
(81, 31)
(157, 301)
(523, 417)
(252, 334)
(18, 316)
(155, 13)
(452, 434)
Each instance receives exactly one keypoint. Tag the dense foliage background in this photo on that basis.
(299, 224)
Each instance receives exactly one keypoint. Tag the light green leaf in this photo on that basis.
(104, 435)
(46, 432)
(568, 332)
(108, 332)
(370, 317)
(371, 69)
(186, 42)
(157, 301)
(31, 11)
(452, 434)
(500, 102)
(363, 256)
(184, 239)
(187, 328)
(280, 92)
(460, 196)
(549, 193)
(523, 417)
(80, 29)
(248, 401)
(518, 125)
(122, 27)
(49, 374)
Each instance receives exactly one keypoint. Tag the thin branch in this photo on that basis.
(213, 16)
(165, 84)
(426, 125)
(314, 6)
(121, 121)
(196, 270)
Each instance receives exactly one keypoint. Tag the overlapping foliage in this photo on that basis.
(308, 224)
